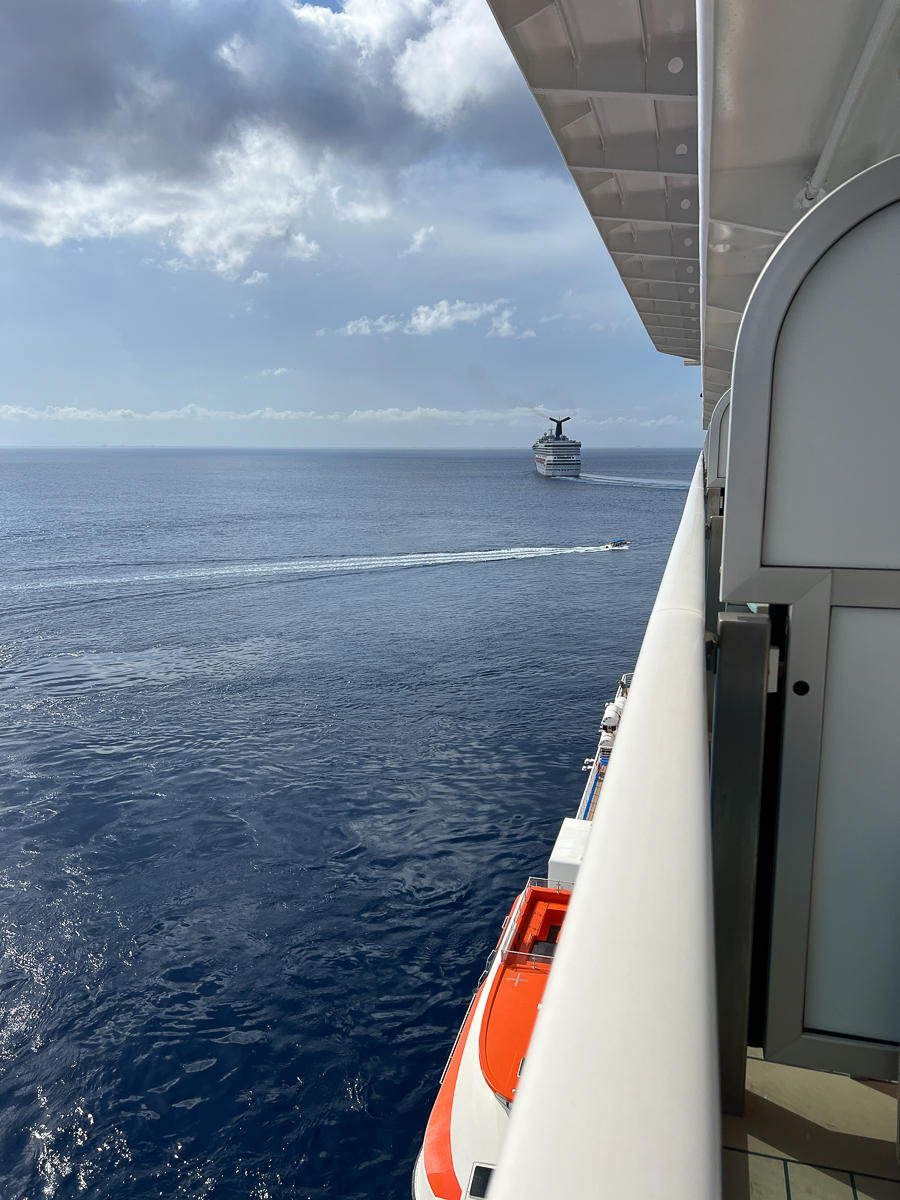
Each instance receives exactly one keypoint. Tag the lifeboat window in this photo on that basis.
(553, 935)
(544, 949)
(481, 1178)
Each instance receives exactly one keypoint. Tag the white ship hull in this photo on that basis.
(548, 466)
(557, 456)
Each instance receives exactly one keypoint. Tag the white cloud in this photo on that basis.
(276, 371)
(222, 142)
(519, 415)
(515, 416)
(364, 326)
(235, 53)
(256, 277)
(461, 59)
(363, 209)
(190, 412)
(444, 315)
(427, 319)
(472, 416)
(502, 325)
(255, 188)
(369, 24)
(443, 56)
(419, 238)
(300, 246)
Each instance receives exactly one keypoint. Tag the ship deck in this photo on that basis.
(811, 1134)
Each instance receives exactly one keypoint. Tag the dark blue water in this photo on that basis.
(264, 808)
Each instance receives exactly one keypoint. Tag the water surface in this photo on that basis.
(270, 786)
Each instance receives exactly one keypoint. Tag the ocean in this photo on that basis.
(283, 734)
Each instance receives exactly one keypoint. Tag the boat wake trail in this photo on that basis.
(627, 481)
(304, 567)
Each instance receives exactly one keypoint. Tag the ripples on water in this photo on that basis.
(264, 810)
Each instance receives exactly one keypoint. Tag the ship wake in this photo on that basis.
(628, 481)
(303, 567)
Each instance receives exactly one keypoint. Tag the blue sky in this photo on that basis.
(235, 223)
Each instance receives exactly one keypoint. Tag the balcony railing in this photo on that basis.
(620, 1096)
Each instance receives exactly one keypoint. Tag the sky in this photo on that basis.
(274, 223)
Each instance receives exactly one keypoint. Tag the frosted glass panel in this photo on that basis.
(833, 488)
(724, 426)
(853, 970)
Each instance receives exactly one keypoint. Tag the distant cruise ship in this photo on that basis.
(555, 454)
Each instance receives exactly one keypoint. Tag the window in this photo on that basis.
(481, 1178)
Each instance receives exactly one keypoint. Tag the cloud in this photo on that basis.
(363, 209)
(364, 326)
(276, 371)
(521, 414)
(461, 60)
(502, 326)
(70, 412)
(419, 238)
(211, 128)
(370, 25)
(255, 188)
(195, 412)
(299, 246)
(394, 416)
(256, 277)
(428, 319)
(444, 315)
(240, 56)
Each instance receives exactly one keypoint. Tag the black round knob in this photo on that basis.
(801, 687)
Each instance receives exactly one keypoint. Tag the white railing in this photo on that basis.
(620, 1094)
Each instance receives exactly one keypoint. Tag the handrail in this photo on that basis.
(620, 1093)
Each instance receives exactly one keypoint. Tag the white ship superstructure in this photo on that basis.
(557, 455)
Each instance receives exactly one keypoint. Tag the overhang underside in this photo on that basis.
(616, 82)
(798, 93)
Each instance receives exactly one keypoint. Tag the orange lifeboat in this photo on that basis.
(468, 1122)
(518, 988)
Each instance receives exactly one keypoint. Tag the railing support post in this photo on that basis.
(739, 717)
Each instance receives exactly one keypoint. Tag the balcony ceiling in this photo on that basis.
(796, 99)
(616, 81)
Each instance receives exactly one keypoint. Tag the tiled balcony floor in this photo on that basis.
(811, 1135)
